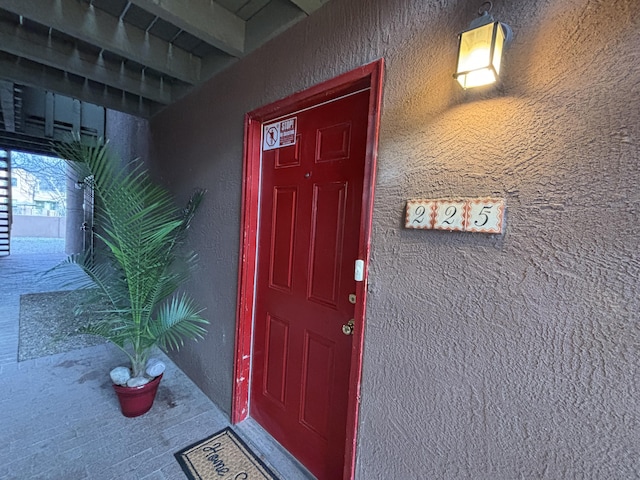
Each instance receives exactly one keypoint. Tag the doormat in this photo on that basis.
(222, 456)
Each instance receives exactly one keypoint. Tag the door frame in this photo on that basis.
(366, 77)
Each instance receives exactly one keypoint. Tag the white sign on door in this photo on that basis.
(279, 134)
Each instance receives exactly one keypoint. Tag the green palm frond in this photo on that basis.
(176, 320)
(114, 331)
(143, 231)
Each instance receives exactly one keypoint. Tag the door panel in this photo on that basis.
(282, 230)
(276, 358)
(333, 143)
(327, 234)
(309, 231)
(316, 375)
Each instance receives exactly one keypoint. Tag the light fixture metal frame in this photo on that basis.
(484, 19)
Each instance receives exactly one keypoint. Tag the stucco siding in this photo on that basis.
(486, 357)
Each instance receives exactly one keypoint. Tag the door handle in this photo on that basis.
(347, 328)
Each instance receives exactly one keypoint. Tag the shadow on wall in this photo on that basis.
(536, 130)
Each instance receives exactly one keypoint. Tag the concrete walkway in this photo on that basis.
(60, 418)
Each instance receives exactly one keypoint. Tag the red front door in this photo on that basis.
(309, 229)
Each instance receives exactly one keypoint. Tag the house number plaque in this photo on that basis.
(482, 215)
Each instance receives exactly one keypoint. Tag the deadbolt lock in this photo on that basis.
(347, 328)
(352, 298)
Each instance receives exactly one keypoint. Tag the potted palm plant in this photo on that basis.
(135, 277)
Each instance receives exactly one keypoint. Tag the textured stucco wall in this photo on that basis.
(486, 357)
(128, 135)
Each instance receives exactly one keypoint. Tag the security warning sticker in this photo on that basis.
(279, 134)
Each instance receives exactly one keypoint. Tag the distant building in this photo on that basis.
(28, 199)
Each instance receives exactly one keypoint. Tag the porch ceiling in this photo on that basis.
(136, 56)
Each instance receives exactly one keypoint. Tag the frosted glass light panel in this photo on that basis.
(479, 55)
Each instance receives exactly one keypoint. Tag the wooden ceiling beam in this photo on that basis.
(91, 25)
(309, 6)
(7, 106)
(270, 21)
(48, 51)
(203, 19)
(25, 72)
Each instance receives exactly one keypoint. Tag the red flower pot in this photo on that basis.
(135, 401)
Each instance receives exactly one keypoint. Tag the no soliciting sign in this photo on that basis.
(279, 134)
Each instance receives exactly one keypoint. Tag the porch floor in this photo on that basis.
(60, 418)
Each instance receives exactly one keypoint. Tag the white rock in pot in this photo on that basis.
(120, 375)
(155, 367)
(137, 381)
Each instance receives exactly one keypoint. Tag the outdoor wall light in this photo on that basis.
(480, 50)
